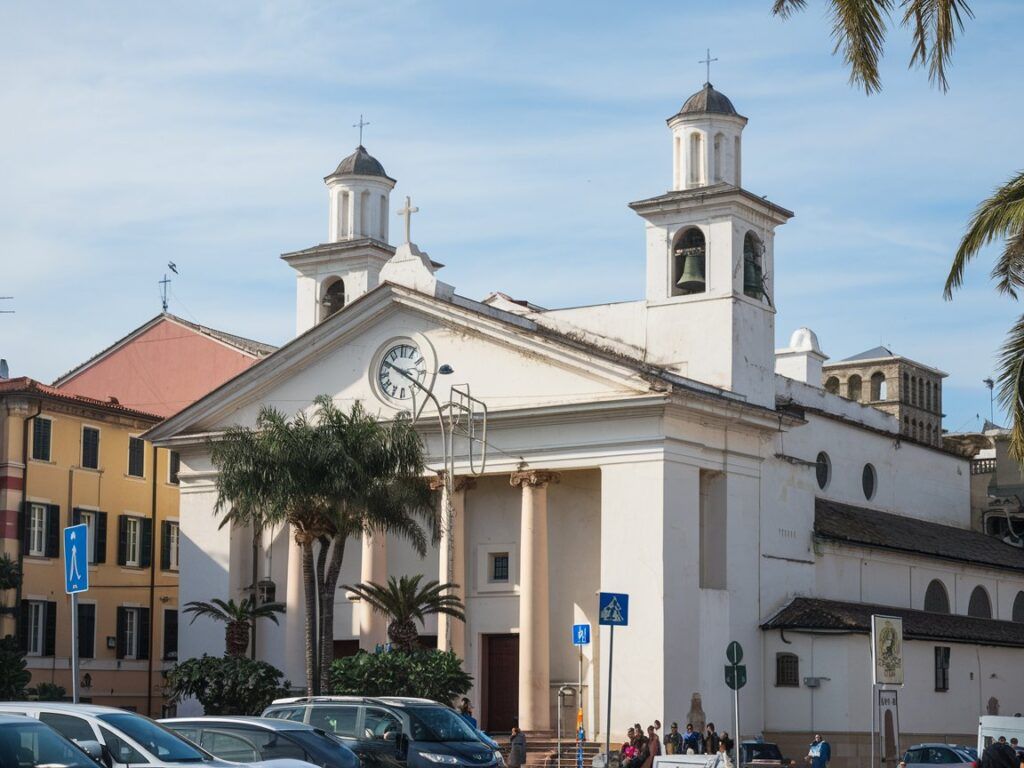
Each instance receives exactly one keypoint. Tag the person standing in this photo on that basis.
(674, 741)
(721, 757)
(820, 752)
(691, 741)
(653, 747)
(517, 750)
(999, 754)
(711, 740)
(466, 710)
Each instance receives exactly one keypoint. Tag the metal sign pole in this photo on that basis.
(608, 721)
(74, 647)
(873, 728)
(736, 724)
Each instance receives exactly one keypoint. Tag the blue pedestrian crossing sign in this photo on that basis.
(613, 609)
(581, 634)
(76, 558)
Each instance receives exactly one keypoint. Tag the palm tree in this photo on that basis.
(330, 476)
(239, 619)
(404, 602)
(858, 28)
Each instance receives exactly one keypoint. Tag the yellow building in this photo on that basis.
(67, 459)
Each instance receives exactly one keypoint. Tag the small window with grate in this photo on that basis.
(941, 668)
(499, 567)
(787, 670)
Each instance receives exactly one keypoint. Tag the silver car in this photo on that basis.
(29, 744)
(932, 754)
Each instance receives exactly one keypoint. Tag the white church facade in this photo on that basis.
(660, 447)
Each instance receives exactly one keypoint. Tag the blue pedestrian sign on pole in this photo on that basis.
(76, 559)
(581, 634)
(613, 609)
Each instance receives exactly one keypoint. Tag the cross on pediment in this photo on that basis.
(407, 213)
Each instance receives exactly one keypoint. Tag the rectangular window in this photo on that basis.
(173, 467)
(174, 534)
(133, 542)
(170, 634)
(90, 448)
(136, 456)
(42, 429)
(499, 566)
(37, 530)
(131, 633)
(787, 670)
(941, 668)
(88, 518)
(36, 628)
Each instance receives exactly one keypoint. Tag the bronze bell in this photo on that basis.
(752, 282)
(691, 280)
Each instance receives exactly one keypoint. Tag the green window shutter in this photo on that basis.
(86, 630)
(146, 555)
(122, 542)
(101, 537)
(144, 634)
(121, 622)
(165, 545)
(23, 626)
(51, 629)
(52, 530)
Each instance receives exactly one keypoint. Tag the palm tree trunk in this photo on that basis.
(330, 589)
(310, 592)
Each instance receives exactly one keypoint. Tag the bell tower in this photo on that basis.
(710, 257)
(348, 265)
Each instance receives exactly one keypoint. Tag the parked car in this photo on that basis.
(760, 753)
(27, 743)
(404, 732)
(921, 755)
(126, 738)
(251, 739)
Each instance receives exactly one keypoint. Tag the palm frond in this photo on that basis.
(935, 25)
(858, 29)
(1011, 385)
(786, 8)
(403, 599)
(998, 216)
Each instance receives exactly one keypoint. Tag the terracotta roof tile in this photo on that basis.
(23, 385)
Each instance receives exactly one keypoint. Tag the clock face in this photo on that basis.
(400, 363)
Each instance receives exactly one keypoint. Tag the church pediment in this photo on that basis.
(369, 350)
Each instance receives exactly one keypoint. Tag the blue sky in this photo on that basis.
(200, 133)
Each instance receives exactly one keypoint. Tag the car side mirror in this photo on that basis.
(94, 750)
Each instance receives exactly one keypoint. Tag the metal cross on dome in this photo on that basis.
(407, 213)
(360, 125)
(707, 60)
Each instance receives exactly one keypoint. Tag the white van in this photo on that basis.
(991, 727)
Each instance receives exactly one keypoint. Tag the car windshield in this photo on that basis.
(439, 724)
(31, 744)
(763, 752)
(161, 743)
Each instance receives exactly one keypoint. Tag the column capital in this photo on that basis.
(534, 478)
(460, 482)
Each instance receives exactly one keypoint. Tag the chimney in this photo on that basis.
(802, 359)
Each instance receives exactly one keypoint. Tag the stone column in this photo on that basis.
(534, 639)
(295, 615)
(451, 633)
(373, 627)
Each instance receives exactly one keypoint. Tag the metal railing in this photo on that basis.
(982, 466)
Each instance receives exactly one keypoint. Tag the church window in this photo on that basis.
(832, 385)
(499, 567)
(753, 282)
(941, 668)
(364, 214)
(344, 215)
(719, 140)
(689, 260)
(334, 298)
(980, 605)
(383, 228)
(853, 387)
(823, 470)
(1018, 608)
(869, 481)
(878, 386)
(712, 530)
(696, 150)
(936, 599)
(787, 670)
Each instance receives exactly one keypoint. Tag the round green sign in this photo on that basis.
(734, 652)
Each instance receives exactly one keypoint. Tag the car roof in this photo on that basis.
(936, 744)
(269, 723)
(395, 701)
(65, 706)
(15, 720)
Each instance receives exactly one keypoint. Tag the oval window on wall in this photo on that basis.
(823, 470)
(869, 479)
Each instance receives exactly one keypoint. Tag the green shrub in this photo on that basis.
(14, 675)
(427, 674)
(226, 685)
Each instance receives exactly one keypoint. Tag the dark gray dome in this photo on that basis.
(707, 99)
(360, 163)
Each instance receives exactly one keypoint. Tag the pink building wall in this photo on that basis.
(162, 370)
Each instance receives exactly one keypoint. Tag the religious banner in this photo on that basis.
(889, 727)
(887, 650)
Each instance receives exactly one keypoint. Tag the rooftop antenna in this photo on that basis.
(165, 284)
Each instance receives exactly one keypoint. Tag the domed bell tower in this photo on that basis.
(710, 260)
(335, 273)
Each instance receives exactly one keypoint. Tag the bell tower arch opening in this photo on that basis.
(689, 263)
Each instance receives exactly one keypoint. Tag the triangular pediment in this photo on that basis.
(509, 362)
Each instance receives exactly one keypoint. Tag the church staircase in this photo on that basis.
(542, 750)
